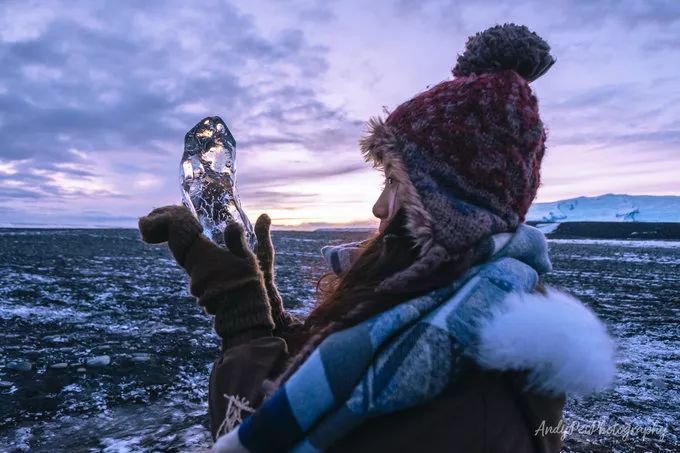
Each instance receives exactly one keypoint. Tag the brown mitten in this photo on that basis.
(265, 257)
(174, 225)
(226, 281)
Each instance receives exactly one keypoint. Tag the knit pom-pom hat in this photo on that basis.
(467, 152)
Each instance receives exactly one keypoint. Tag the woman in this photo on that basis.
(436, 334)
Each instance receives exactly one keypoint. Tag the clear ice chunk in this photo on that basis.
(207, 177)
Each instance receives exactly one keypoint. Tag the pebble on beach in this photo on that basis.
(141, 357)
(20, 365)
(102, 360)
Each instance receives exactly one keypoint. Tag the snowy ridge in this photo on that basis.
(609, 208)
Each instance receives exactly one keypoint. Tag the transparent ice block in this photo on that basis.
(208, 179)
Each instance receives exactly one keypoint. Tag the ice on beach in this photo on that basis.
(208, 179)
(547, 228)
(619, 243)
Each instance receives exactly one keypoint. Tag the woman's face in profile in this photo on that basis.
(388, 202)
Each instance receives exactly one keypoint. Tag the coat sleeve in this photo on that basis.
(237, 377)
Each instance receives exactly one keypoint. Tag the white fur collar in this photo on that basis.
(555, 337)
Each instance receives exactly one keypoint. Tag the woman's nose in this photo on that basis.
(381, 208)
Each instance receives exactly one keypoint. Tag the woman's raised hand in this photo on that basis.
(227, 282)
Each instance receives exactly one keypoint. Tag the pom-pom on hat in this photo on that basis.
(467, 152)
(504, 47)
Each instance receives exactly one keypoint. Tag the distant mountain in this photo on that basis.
(345, 229)
(609, 208)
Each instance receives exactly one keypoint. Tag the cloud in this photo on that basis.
(95, 97)
(137, 81)
(19, 193)
(272, 177)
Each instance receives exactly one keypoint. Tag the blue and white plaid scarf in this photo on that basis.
(395, 360)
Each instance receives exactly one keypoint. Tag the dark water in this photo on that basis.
(69, 296)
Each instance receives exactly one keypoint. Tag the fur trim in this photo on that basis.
(381, 146)
(378, 137)
(559, 340)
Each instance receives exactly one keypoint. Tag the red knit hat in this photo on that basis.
(467, 152)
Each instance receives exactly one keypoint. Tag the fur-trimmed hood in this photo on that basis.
(380, 146)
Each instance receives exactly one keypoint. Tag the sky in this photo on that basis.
(95, 98)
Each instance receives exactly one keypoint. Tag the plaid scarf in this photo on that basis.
(395, 360)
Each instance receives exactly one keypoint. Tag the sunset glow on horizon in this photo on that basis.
(97, 96)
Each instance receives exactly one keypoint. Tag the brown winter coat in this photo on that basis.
(488, 412)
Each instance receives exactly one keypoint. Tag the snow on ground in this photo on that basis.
(620, 243)
(609, 208)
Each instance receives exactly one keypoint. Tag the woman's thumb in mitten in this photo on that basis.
(234, 239)
(265, 248)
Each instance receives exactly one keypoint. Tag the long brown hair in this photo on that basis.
(347, 300)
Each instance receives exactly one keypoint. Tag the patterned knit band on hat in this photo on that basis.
(467, 152)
